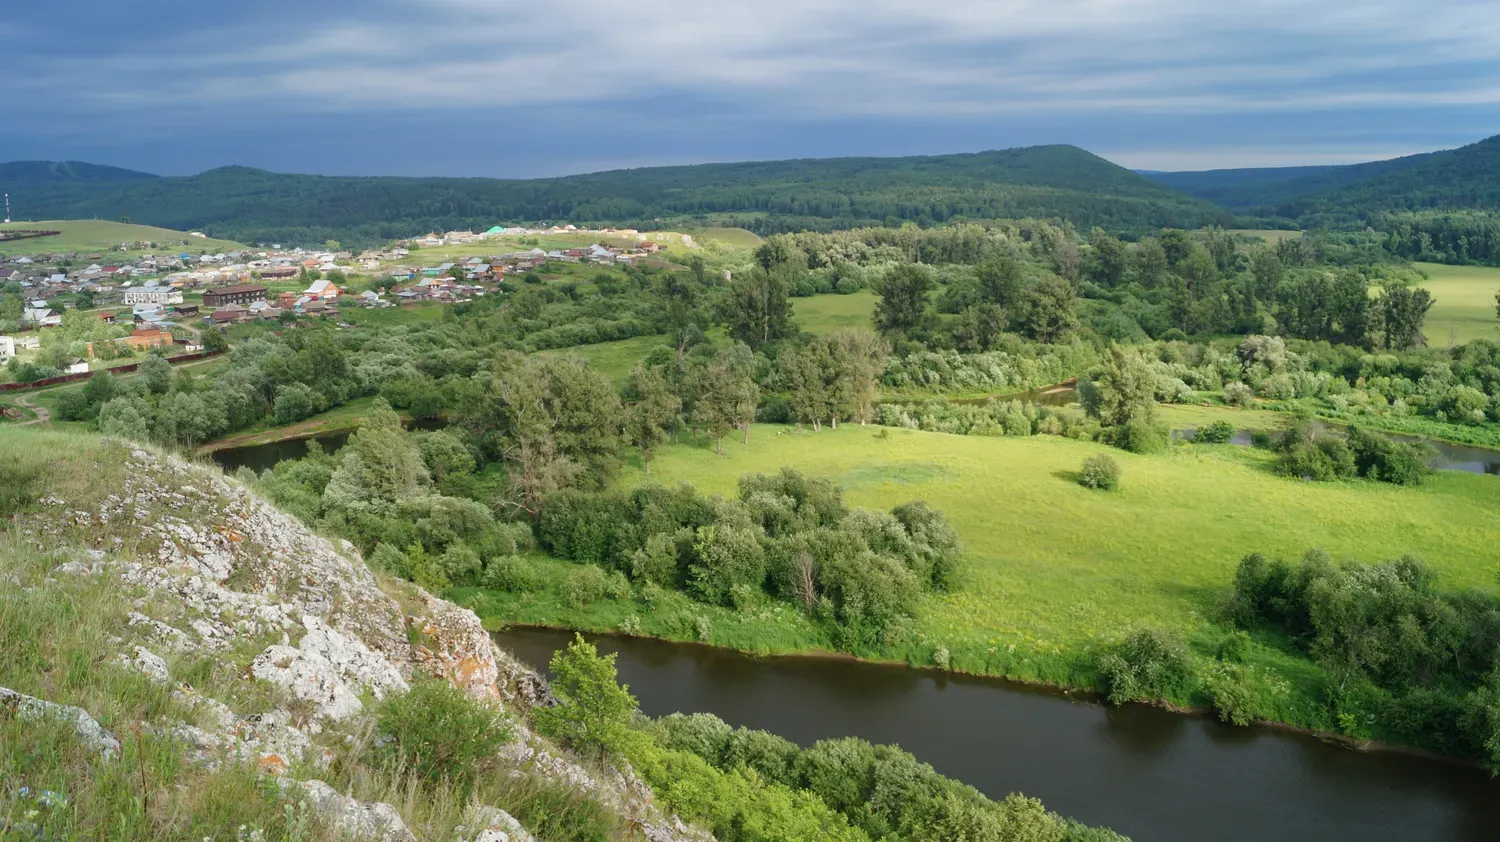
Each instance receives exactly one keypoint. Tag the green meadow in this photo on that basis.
(97, 234)
(1054, 570)
(1463, 303)
(820, 314)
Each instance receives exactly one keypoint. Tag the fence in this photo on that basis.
(84, 375)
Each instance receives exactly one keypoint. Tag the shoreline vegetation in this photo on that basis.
(1081, 695)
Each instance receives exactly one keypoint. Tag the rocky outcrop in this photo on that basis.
(90, 732)
(221, 570)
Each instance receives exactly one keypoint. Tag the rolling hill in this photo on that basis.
(253, 205)
(83, 235)
(1463, 179)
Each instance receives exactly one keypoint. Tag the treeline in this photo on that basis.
(859, 572)
(257, 206)
(1443, 237)
(882, 791)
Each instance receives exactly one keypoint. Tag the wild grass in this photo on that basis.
(615, 359)
(821, 314)
(1463, 304)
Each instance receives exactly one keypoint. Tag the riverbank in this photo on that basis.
(1056, 573)
(1142, 770)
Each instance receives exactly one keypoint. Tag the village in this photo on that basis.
(164, 299)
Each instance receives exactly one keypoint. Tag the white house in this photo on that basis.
(7, 347)
(79, 366)
(41, 316)
(153, 295)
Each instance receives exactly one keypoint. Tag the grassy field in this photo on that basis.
(1269, 236)
(615, 359)
(1055, 570)
(1463, 302)
(415, 315)
(87, 235)
(822, 314)
(734, 238)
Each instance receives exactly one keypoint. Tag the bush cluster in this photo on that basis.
(1389, 643)
(881, 791)
(785, 535)
(1309, 453)
(1100, 472)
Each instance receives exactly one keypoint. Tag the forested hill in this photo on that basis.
(252, 205)
(1352, 196)
(1248, 190)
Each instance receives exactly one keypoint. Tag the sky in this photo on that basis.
(498, 88)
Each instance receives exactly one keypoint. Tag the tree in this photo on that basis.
(593, 710)
(757, 307)
(1402, 311)
(652, 412)
(860, 358)
(332, 245)
(727, 394)
(903, 298)
(156, 372)
(1001, 281)
(1125, 388)
(1050, 309)
(804, 372)
(214, 340)
(1109, 259)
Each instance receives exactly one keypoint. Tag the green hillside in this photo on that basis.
(765, 197)
(1247, 190)
(97, 235)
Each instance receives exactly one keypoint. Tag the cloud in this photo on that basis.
(994, 61)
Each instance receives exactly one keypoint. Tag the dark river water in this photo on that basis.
(261, 457)
(1147, 773)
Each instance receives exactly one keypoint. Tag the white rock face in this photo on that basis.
(492, 824)
(148, 663)
(378, 822)
(91, 732)
(221, 567)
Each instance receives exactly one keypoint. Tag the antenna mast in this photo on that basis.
(7, 208)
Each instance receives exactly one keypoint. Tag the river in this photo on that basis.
(1150, 774)
(262, 457)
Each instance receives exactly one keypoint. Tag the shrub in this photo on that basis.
(460, 564)
(1278, 387)
(585, 586)
(1238, 394)
(1239, 696)
(1150, 664)
(1235, 647)
(1219, 432)
(1140, 434)
(512, 574)
(388, 559)
(1261, 439)
(656, 561)
(1100, 472)
(439, 733)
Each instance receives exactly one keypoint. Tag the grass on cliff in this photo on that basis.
(61, 638)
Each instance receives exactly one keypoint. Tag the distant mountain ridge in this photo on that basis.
(1462, 179)
(252, 205)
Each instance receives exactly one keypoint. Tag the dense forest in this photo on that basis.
(1356, 196)
(256, 206)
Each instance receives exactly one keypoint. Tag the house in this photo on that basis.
(153, 295)
(185, 310)
(7, 347)
(78, 366)
(277, 272)
(144, 339)
(269, 313)
(229, 314)
(241, 294)
(41, 317)
(324, 290)
(287, 300)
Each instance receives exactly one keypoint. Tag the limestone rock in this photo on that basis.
(147, 663)
(377, 821)
(491, 824)
(90, 731)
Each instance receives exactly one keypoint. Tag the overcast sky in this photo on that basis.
(501, 88)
